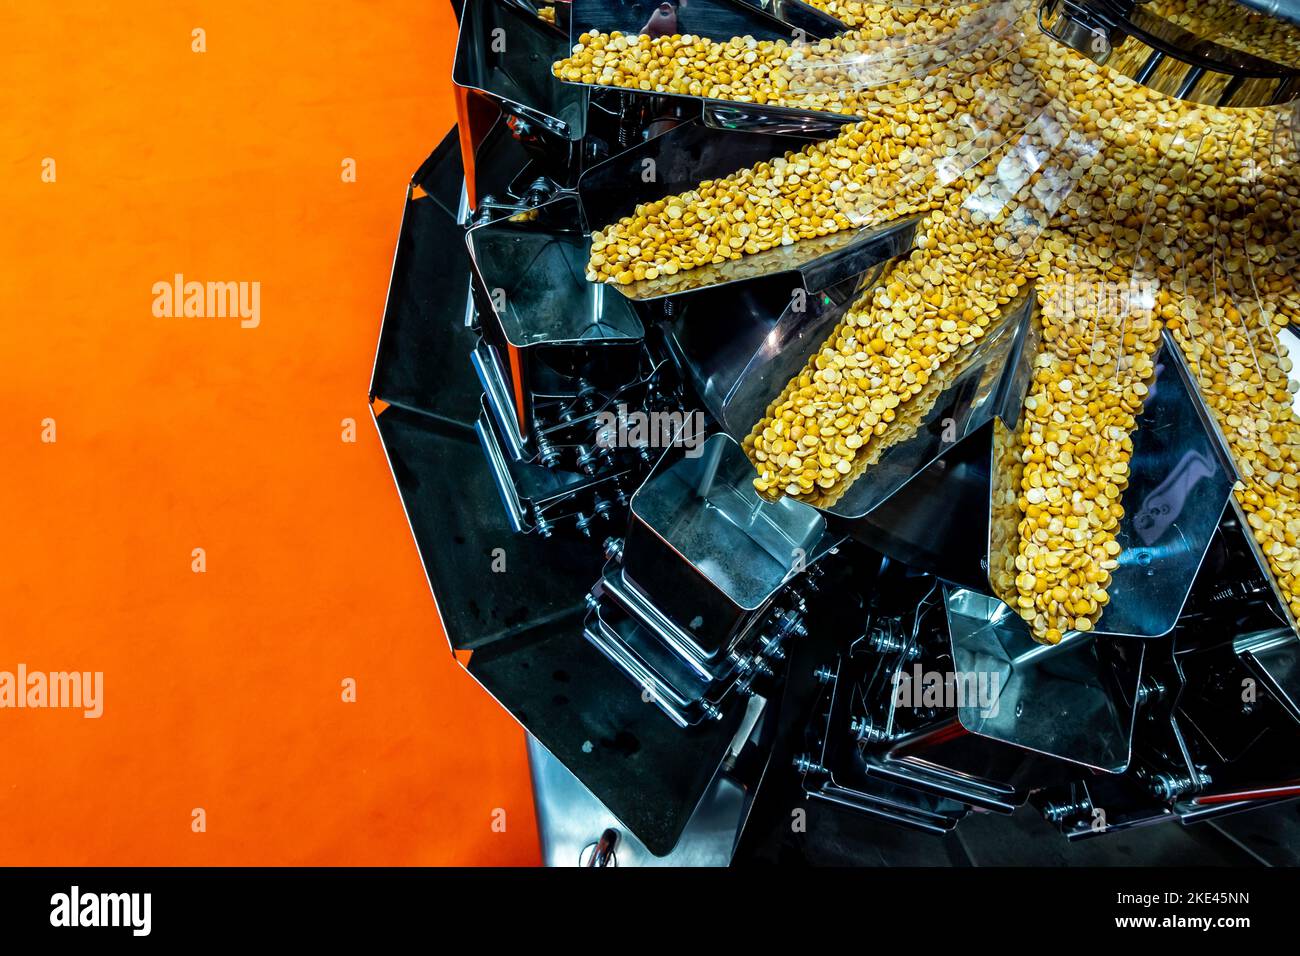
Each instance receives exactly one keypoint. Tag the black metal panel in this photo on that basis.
(647, 771)
(461, 530)
(422, 360)
(516, 601)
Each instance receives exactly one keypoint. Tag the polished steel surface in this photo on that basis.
(699, 597)
(715, 19)
(927, 484)
(704, 511)
(517, 74)
(533, 268)
(774, 121)
(1274, 656)
(740, 351)
(1065, 701)
(1217, 69)
(498, 400)
(571, 821)
(676, 161)
(642, 652)
(1180, 481)
(817, 263)
(687, 657)
(516, 513)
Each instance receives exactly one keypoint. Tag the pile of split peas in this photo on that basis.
(1147, 213)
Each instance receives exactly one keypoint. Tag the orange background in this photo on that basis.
(223, 690)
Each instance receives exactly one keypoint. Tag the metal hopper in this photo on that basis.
(702, 592)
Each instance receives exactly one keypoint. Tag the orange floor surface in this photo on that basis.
(129, 155)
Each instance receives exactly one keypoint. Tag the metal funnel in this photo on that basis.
(711, 145)
(702, 593)
(715, 19)
(708, 549)
(506, 53)
(510, 107)
(1180, 481)
(533, 267)
(720, 20)
(723, 141)
(1075, 701)
(924, 497)
(547, 331)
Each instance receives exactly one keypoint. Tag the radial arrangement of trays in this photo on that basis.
(895, 392)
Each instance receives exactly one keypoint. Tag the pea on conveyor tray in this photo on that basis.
(1114, 191)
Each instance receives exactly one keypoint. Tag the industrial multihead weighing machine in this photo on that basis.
(665, 238)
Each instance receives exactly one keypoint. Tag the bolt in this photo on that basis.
(1151, 691)
(865, 731)
(1061, 813)
(1170, 787)
(586, 460)
(550, 457)
(883, 643)
(807, 763)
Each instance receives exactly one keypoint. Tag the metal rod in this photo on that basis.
(1229, 91)
(1150, 66)
(1194, 76)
